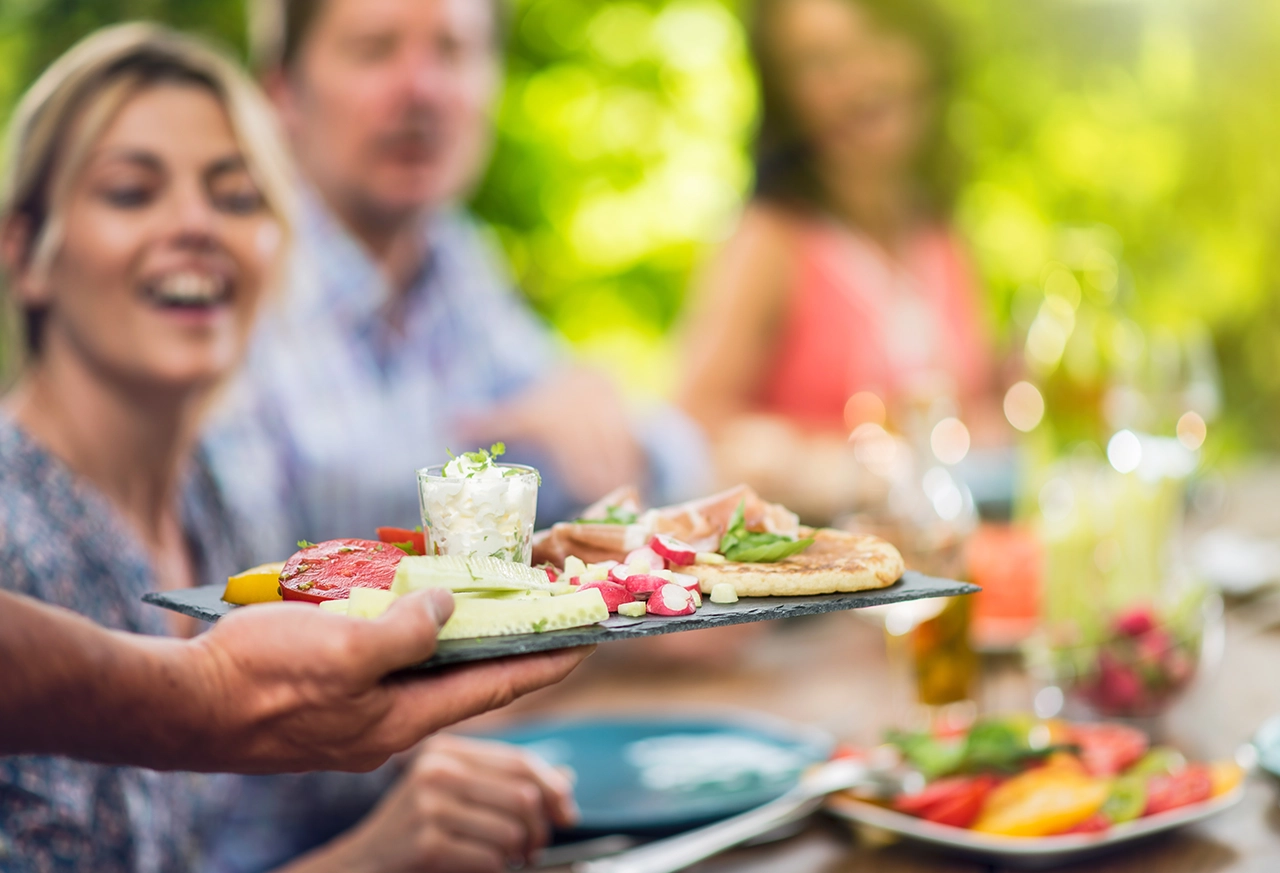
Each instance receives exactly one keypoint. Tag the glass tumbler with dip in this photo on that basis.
(482, 509)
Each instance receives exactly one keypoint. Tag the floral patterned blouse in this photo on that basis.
(63, 542)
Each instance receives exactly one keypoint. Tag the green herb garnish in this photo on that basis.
(540, 625)
(305, 544)
(407, 548)
(612, 515)
(757, 547)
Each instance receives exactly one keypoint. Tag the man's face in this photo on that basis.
(388, 103)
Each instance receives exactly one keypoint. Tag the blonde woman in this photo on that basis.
(146, 210)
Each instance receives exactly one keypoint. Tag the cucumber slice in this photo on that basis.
(369, 602)
(724, 592)
(483, 617)
(635, 609)
(466, 574)
(337, 607)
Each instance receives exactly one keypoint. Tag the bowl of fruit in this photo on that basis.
(1139, 661)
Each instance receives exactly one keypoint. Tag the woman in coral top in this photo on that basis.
(843, 292)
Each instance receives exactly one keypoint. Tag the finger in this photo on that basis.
(487, 827)
(405, 634)
(422, 706)
(554, 788)
(518, 799)
(461, 855)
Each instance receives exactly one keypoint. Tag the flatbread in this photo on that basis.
(837, 561)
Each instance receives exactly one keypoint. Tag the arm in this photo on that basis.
(272, 688)
(736, 319)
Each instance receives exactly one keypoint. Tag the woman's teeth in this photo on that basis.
(188, 289)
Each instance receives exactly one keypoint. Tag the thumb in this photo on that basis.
(405, 635)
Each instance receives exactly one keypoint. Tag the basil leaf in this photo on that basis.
(767, 553)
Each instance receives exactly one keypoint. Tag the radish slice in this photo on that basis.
(614, 594)
(671, 600)
(620, 573)
(649, 557)
(644, 584)
(673, 550)
(686, 581)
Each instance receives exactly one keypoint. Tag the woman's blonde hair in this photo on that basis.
(62, 115)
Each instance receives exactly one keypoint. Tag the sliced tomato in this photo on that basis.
(329, 570)
(954, 801)
(400, 535)
(1108, 749)
(1192, 785)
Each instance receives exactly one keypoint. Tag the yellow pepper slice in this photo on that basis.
(1041, 802)
(1224, 776)
(259, 585)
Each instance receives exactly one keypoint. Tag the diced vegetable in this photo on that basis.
(673, 551)
(614, 594)
(955, 801)
(634, 609)
(484, 617)
(1224, 776)
(1192, 785)
(710, 558)
(671, 600)
(1127, 800)
(259, 585)
(466, 574)
(1041, 802)
(644, 584)
(646, 559)
(369, 602)
(416, 540)
(574, 566)
(1108, 749)
(724, 592)
(337, 607)
(685, 580)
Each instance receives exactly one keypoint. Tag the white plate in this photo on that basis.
(1027, 853)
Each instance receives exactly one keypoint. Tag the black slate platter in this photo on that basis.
(206, 604)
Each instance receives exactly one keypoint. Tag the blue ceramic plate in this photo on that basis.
(653, 776)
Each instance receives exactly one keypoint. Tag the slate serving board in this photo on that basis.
(206, 604)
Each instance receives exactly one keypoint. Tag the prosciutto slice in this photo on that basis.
(700, 523)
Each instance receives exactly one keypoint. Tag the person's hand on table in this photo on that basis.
(271, 688)
(577, 418)
(462, 806)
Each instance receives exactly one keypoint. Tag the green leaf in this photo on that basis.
(497, 450)
(540, 625)
(766, 553)
(612, 515)
(305, 544)
(407, 548)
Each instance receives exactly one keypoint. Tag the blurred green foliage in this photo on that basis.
(1121, 192)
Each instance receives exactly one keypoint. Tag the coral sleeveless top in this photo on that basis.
(859, 320)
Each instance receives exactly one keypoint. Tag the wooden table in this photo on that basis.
(832, 672)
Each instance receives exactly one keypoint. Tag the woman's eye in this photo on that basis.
(127, 197)
(238, 202)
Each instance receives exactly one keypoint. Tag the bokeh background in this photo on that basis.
(1117, 178)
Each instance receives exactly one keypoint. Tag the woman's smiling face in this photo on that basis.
(164, 247)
